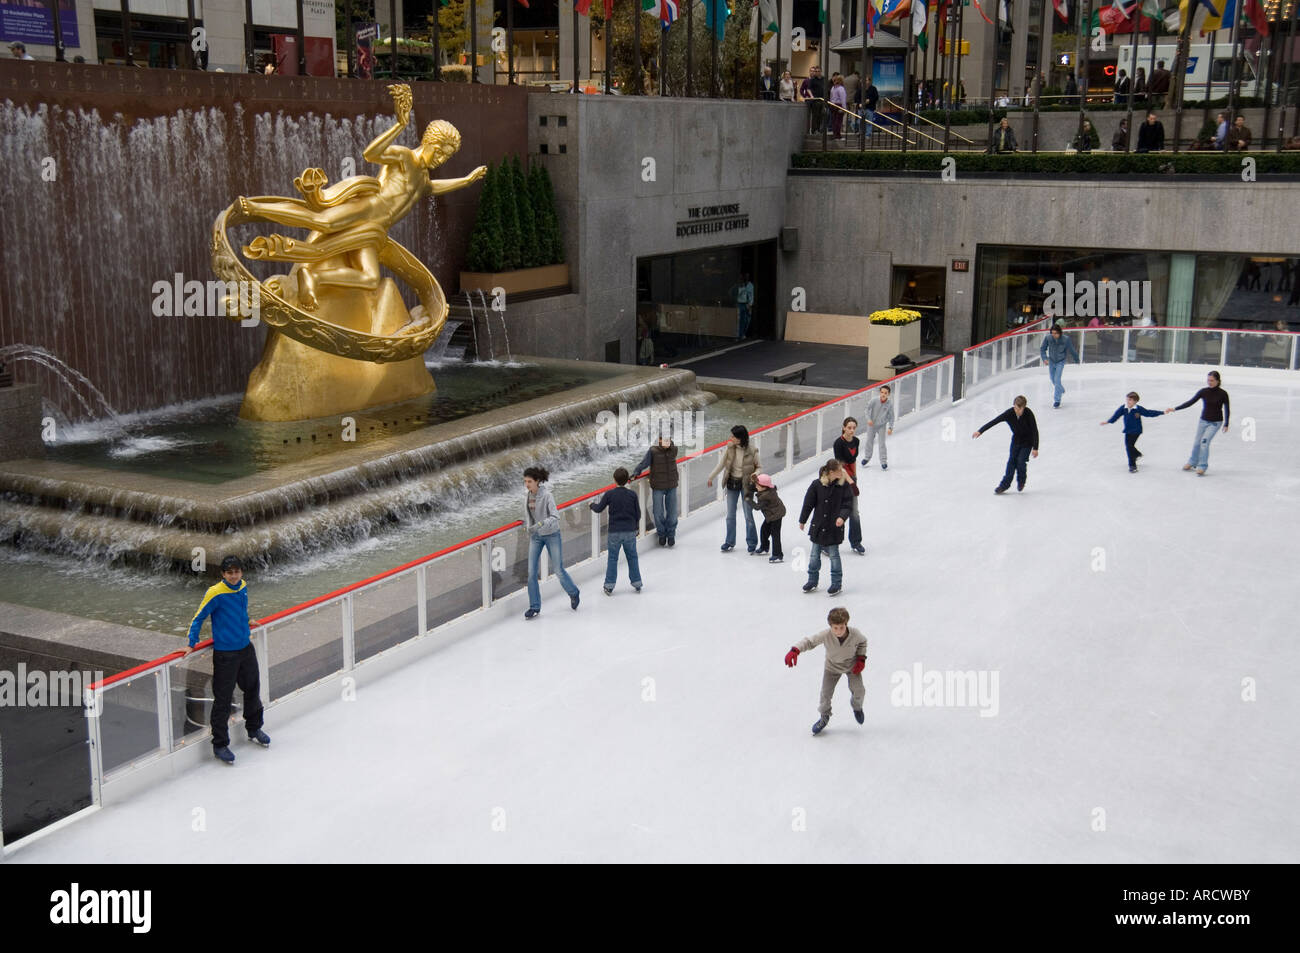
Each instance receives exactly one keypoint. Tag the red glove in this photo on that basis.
(859, 664)
(792, 657)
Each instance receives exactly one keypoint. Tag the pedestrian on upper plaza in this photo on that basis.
(1215, 411)
(1071, 91)
(1221, 131)
(624, 519)
(19, 51)
(840, 98)
(829, 501)
(788, 90)
(853, 90)
(1151, 134)
(1239, 136)
(737, 464)
(234, 660)
(846, 654)
(870, 100)
(769, 504)
(1055, 349)
(1122, 87)
(880, 424)
(1004, 137)
(1119, 141)
(1024, 442)
(661, 461)
(1087, 140)
(767, 86)
(1159, 87)
(744, 304)
(845, 450)
(542, 521)
(1140, 87)
(813, 92)
(1132, 412)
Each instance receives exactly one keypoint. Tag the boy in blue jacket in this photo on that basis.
(1132, 414)
(234, 660)
(624, 518)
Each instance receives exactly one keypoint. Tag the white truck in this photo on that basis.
(1200, 67)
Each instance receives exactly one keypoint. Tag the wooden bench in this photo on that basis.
(789, 373)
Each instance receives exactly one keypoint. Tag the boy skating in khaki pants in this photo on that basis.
(846, 654)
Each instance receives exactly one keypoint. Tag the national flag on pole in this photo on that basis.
(1217, 21)
(1151, 10)
(665, 10)
(768, 18)
(1062, 9)
(609, 9)
(583, 7)
(982, 13)
(919, 21)
(873, 17)
(1258, 17)
(715, 16)
(892, 10)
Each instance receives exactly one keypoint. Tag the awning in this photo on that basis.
(883, 40)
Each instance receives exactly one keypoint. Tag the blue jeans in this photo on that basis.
(855, 526)
(1054, 371)
(1017, 463)
(815, 564)
(663, 505)
(551, 544)
(627, 543)
(751, 532)
(743, 310)
(1205, 432)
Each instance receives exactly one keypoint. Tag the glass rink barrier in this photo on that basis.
(162, 709)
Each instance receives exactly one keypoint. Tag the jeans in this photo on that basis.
(815, 564)
(855, 527)
(625, 541)
(228, 670)
(1017, 461)
(1205, 432)
(1054, 370)
(663, 505)
(551, 544)
(744, 315)
(751, 533)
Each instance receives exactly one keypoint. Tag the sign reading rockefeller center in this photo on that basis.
(706, 219)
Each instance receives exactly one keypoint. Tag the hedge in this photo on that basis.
(976, 116)
(1096, 163)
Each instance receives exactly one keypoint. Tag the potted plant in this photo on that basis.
(893, 331)
(516, 243)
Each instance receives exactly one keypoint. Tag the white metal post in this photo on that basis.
(789, 445)
(485, 571)
(421, 600)
(349, 644)
(1223, 348)
(163, 695)
(683, 490)
(264, 663)
(1127, 337)
(94, 709)
(1293, 350)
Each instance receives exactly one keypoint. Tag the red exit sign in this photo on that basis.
(961, 264)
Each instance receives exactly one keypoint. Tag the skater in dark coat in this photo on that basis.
(1024, 441)
(1132, 412)
(769, 504)
(829, 501)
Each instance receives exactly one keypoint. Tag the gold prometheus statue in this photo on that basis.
(340, 336)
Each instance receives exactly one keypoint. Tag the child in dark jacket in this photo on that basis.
(769, 504)
(624, 518)
(1132, 412)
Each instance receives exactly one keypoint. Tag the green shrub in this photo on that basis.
(486, 251)
(531, 254)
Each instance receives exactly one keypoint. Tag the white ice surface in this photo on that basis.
(1120, 688)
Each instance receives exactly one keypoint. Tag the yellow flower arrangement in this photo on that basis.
(895, 316)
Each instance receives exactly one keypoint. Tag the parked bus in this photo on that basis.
(1200, 68)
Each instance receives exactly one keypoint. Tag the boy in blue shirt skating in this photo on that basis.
(1132, 414)
(234, 660)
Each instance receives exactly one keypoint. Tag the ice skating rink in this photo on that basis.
(1141, 628)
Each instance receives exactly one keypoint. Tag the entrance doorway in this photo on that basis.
(921, 289)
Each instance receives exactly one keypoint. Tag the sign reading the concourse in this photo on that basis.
(707, 219)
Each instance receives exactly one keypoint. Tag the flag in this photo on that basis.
(891, 10)
(1125, 7)
(982, 13)
(1062, 9)
(524, 4)
(768, 18)
(609, 10)
(1257, 16)
(1217, 21)
(583, 7)
(1151, 10)
(873, 17)
(919, 20)
(716, 14)
(666, 10)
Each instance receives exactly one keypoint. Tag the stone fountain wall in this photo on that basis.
(113, 177)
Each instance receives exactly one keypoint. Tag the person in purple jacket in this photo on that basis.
(1216, 411)
(1132, 412)
(624, 518)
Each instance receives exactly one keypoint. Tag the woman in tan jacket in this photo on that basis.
(737, 464)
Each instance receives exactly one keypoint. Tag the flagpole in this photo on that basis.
(952, 47)
(473, 42)
(637, 79)
(1288, 55)
(907, 80)
(510, 38)
(758, 52)
(576, 67)
(1234, 72)
(961, 25)
(1178, 79)
(1085, 27)
(690, 47)
(866, 77)
(1151, 67)
(1132, 80)
(925, 64)
(1266, 61)
(437, 51)
(609, 48)
(993, 65)
(1038, 73)
(1209, 76)
(713, 54)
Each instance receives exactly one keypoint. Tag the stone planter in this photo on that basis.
(525, 280)
(887, 340)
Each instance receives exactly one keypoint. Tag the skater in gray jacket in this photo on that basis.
(846, 654)
(880, 422)
(542, 521)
